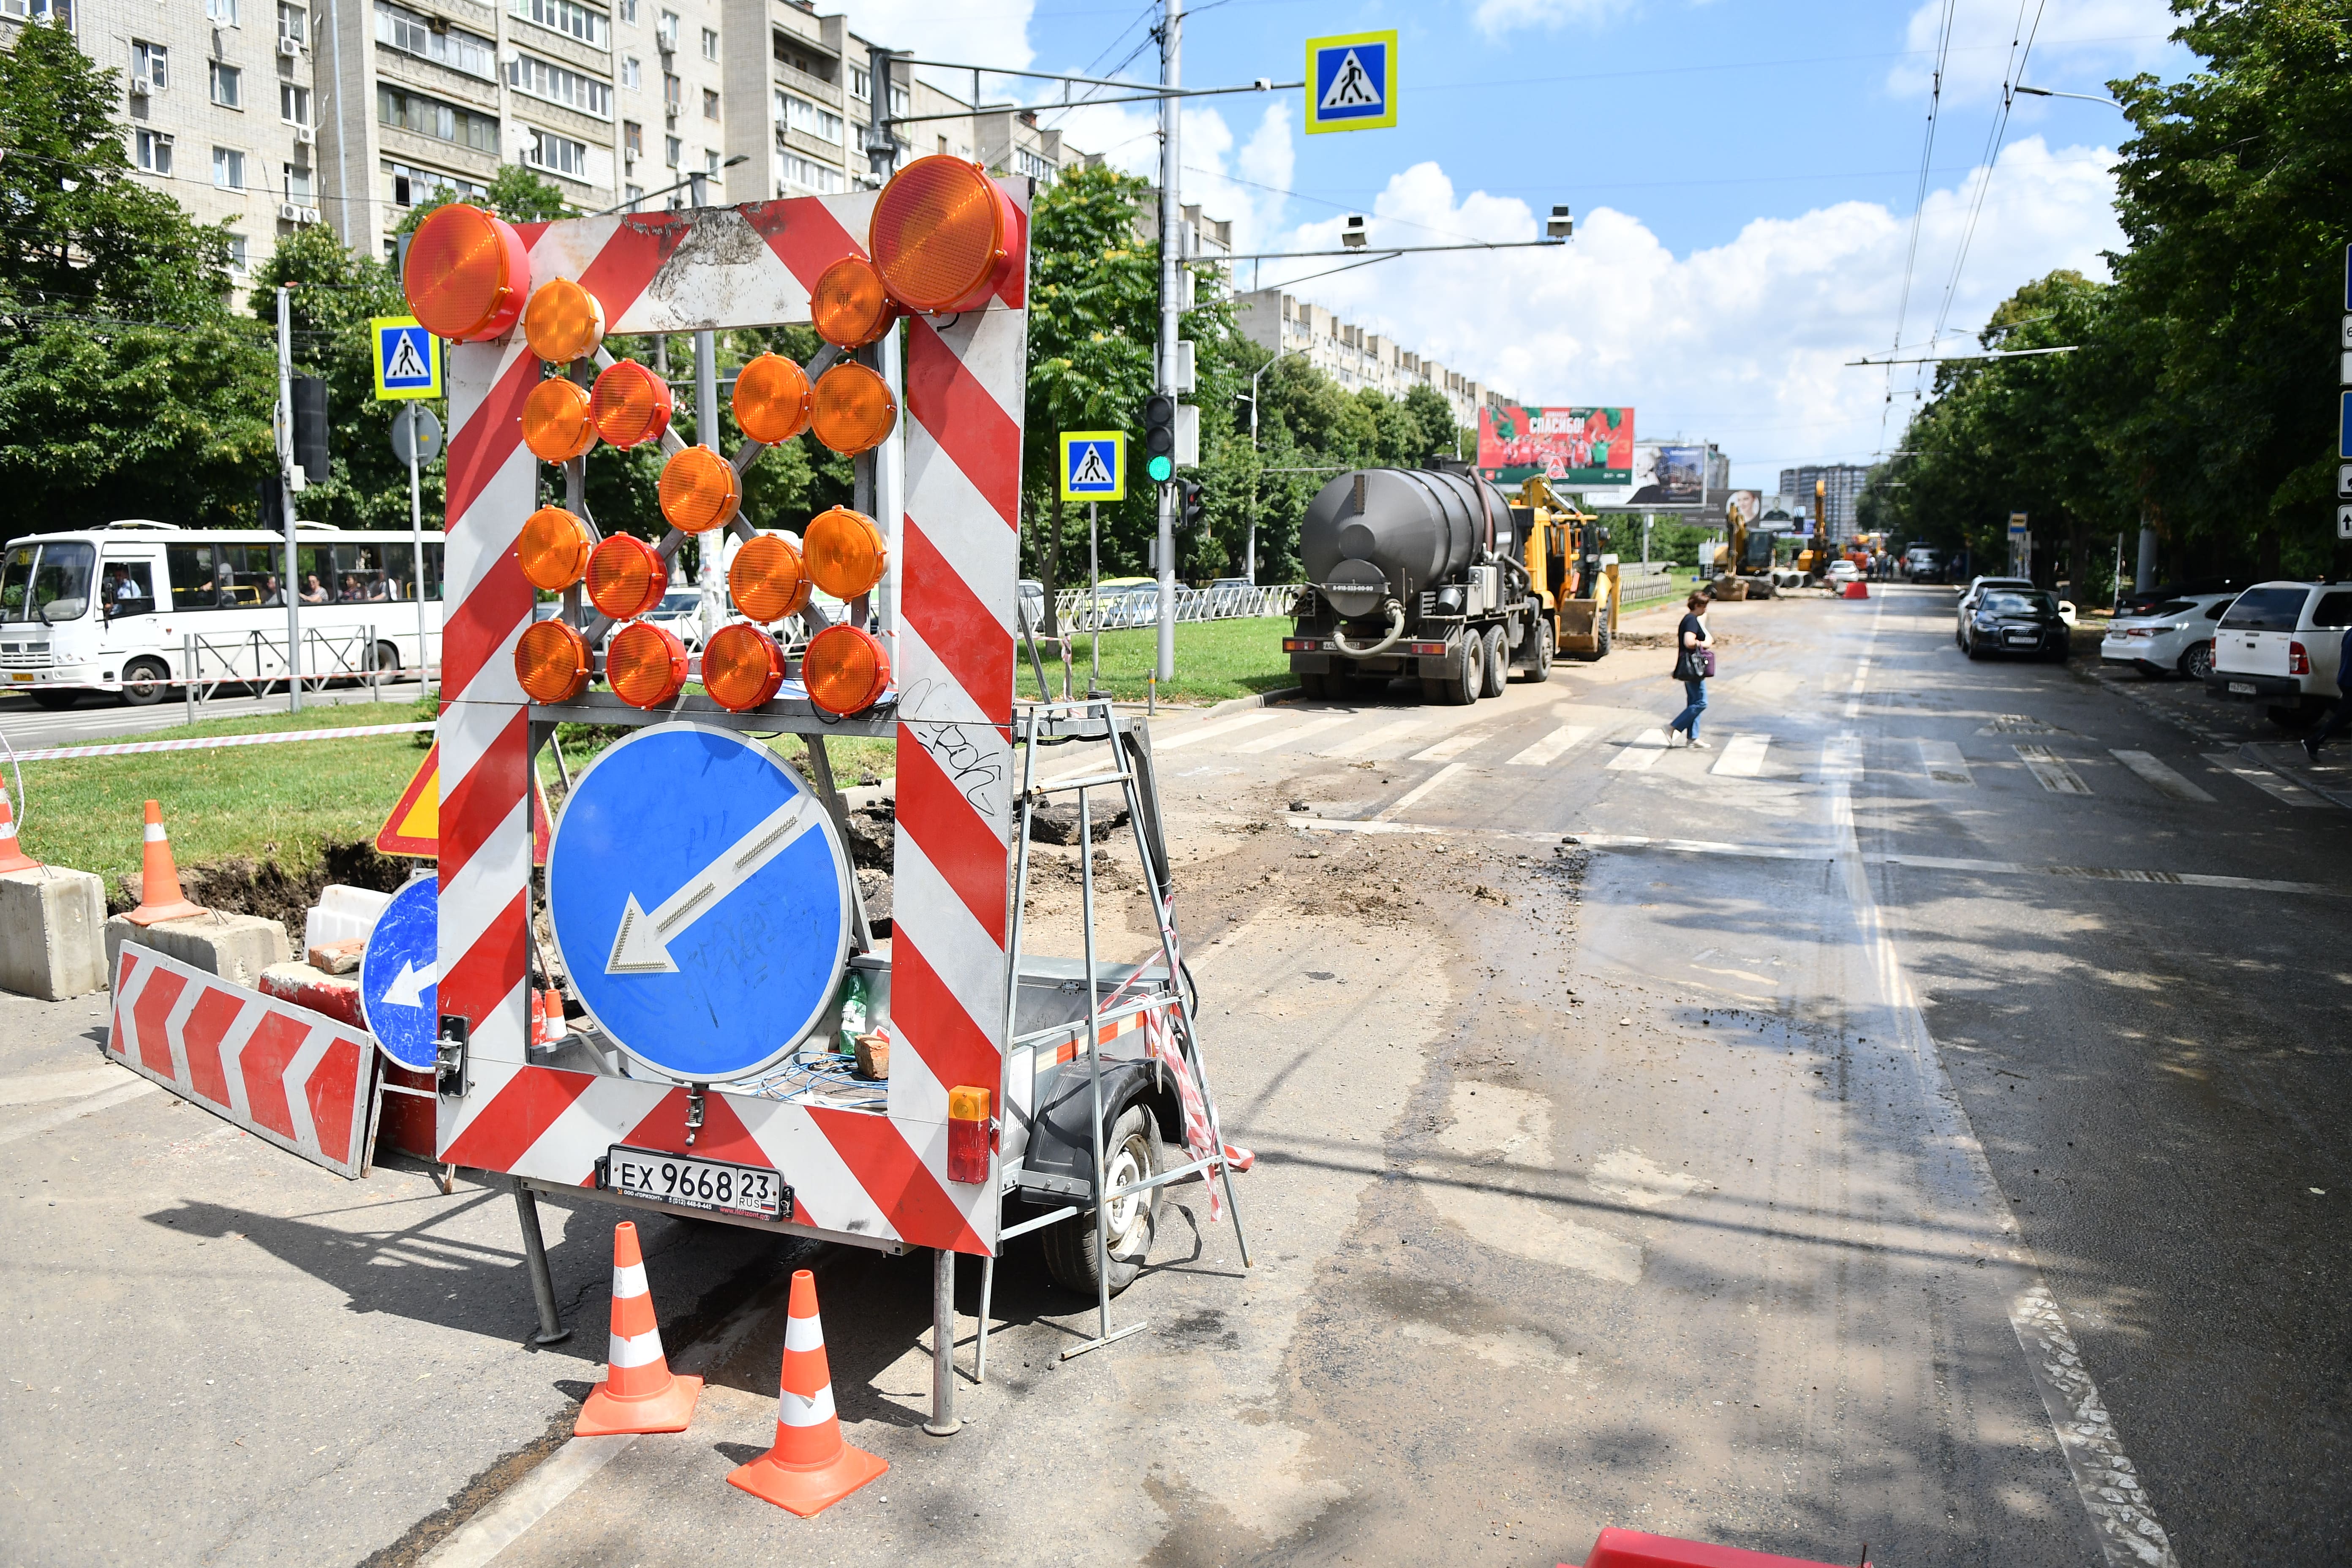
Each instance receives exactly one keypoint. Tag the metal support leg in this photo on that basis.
(943, 1422)
(987, 1288)
(551, 1331)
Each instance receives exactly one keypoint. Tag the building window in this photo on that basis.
(153, 149)
(229, 84)
(709, 44)
(293, 21)
(633, 138)
(671, 151)
(811, 118)
(588, 26)
(151, 63)
(228, 168)
(634, 194)
(557, 154)
(808, 175)
(413, 185)
(293, 103)
(633, 73)
(235, 252)
(296, 185)
(673, 92)
(221, 13)
(710, 161)
(628, 10)
(1025, 162)
(431, 117)
(898, 99)
(710, 104)
(860, 84)
(412, 33)
(553, 82)
(668, 31)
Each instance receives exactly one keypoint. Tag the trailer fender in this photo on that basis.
(1060, 1149)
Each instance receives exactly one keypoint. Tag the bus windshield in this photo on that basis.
(46, 583)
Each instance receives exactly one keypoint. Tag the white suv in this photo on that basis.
(2281, 644)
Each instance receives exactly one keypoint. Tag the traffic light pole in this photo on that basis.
(286, 494)
(1172, 230)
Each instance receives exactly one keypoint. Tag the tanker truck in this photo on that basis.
(1420, 573)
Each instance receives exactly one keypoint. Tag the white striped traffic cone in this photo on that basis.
(639, 1394)
(12, 859)
(159, 898)
(812, 1467)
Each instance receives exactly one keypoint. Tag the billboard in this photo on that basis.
(1744, 506)
(1571, 447)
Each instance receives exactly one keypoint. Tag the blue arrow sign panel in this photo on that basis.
(700, 899)
(398, 980)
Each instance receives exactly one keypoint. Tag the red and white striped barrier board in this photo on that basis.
(296, 1078)
(879, 1176)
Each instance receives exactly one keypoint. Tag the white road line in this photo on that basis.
(1220, 726)
(2262, 779)
(1550, 746)
(1638, 753)
(1386, 735)
(1451, 747)
(2051, 771)
(2165, 781)
(1842, 759)
(1743, 756)
(1945, 765)
(1294, 732)
(34, 1126)
(1423, 788)
(33, 1088)
(481, 1537)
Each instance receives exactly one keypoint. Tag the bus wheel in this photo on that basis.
(388, 658)
(143, 680)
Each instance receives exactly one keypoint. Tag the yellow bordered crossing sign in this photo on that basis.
(1093, 465)
(1351, 79)
(406, 357)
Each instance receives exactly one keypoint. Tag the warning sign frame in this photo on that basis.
(1071, 441)
(381, 330)
(1326, 57)
(410, 833)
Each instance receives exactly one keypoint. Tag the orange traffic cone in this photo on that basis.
(12, 859)
(639, 1392)
(159, 898)
(811, 1467)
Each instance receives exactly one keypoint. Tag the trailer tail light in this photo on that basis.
(466, 274)
(971, 1135)
(844, 669)
(1303, 645)
(852, 410)
(767, 579)
(849, 305)
(2298, 659)
(556, 423)
(772, 399)
(631, 405)
(550, 662)
(553, 549)
(626, 577)
(563, 323)
(1425, 649)
(646, 665)
(741, 667)
(940, 235)
(699, 490)
(844, 553)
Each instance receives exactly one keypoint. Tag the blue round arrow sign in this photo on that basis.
(700, 900)
(397, 976)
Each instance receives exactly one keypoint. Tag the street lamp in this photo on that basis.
(1353, 236)
(2049, 92)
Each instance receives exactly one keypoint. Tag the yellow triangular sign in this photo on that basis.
(414, 825)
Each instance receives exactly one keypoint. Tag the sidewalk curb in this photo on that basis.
(1255, 700)
(2252, 751)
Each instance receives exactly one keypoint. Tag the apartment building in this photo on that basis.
(1842, 490)
(1353, 356)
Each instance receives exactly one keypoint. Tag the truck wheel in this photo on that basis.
(1460, 688)
(1497, 662)
(1134, 1154)
(1315, 685)
(1602, 635)
(143, 680)
(1539, 668)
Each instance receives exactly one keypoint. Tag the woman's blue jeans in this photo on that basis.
(1688, 720)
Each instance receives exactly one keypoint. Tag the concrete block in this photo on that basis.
(237, 948)
(50, 920)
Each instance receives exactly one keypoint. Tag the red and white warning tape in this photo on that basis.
(206, 742)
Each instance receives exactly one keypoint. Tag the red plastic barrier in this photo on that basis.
(1631, 1549)
(305, 986)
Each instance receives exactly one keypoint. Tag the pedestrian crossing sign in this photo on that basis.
(407, 360)
(1352, 82)
(1093, 465)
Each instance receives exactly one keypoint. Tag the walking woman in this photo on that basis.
(1693, 662)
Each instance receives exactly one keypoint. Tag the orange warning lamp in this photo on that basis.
(772, 399)
(852, 410)
(844, 669)
(972, 1134)
(766, 578)
(741, 667)
(556, 425)
(466, 274)
(644, 665)
(552, 661)
(941, 234)
(564, 321)
(631, 405)
(625, 576)
(844, 552)
(699, 490)
(553, 549)
(850, 307)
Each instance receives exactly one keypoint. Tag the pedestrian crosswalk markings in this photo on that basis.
(1351, 88)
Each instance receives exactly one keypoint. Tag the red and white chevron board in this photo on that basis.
(296, 1078)
(720, 268)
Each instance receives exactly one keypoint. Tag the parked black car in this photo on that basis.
(2015, 620)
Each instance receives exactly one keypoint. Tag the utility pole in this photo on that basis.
(286, 494)
(1171, 301)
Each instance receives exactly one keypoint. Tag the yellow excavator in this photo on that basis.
(1564, 552)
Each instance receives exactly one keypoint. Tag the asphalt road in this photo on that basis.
(1913, 1122)
(97, 716)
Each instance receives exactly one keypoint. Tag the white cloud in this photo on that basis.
(989, 33)
(1127, 134)
(1744, 344)
(2079, 45)
(1497, 18)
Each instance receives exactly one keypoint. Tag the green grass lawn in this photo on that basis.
(1214, 660)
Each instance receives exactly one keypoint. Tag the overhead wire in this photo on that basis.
(2016, 73)
(1918, 205)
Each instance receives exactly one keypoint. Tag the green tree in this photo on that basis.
(516, 194)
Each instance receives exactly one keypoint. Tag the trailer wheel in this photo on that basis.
(1497, 663)
(1134, 1152)
(1539, 668)
(1317, 687)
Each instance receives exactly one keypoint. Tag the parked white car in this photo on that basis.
(2173, 638)
(2280, 645)
(1842, 571)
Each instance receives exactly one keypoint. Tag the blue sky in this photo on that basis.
(1745, 177)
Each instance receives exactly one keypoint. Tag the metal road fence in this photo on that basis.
(255, 661)
(1138, 604)
(1640, 584)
